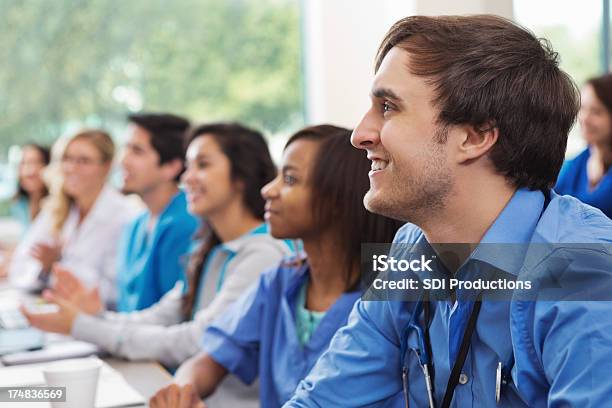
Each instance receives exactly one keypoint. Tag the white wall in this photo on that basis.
(436, 7)
(340, 42)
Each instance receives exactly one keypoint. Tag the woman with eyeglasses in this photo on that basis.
(79, 225)
(227, 164)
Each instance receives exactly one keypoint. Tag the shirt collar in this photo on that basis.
(177, 204)
(237, 243)
(103, 208)
(301, 273)
(505, 243)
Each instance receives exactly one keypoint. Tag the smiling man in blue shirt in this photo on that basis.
(466, 132)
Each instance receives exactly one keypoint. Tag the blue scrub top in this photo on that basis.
(257, 337)
(20, 211)
(573, 180)
(149, 264)
(562, 349)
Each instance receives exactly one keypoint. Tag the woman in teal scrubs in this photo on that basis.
(31, 188)
(277, 331)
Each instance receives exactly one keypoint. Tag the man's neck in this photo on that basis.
(469, 213)
(158, 198)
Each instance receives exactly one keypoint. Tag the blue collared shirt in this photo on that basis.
(150, 263)
(257, 337)
(561, 349)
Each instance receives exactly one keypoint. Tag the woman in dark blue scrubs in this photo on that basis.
(277, 330)
(588, 176)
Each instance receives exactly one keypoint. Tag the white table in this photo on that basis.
(147, 377)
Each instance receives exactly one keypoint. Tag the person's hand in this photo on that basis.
(5, 259)
(60, 321)
(70, 288)
(176, 396)
(46, 254)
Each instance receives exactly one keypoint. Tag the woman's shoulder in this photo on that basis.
(286, 271)
(577, 161)
(262, 242)
(571, 169)
(112, 200)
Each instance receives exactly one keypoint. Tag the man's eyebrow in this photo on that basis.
(386, 93)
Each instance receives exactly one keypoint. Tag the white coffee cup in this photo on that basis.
(79, 376)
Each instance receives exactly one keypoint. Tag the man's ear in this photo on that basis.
(172, 169)
(476, 141)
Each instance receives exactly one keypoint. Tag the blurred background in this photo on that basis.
(273, 64)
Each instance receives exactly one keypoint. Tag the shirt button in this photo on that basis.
(463, 379)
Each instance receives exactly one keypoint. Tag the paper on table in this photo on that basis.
(113, 390)
(52, 352)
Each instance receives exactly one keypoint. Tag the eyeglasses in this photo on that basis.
(80, 160)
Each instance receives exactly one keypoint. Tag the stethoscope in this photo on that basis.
(423, 359)
(423, 353)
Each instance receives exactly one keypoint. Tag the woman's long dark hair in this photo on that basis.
(603, 89)
(339, 182)
(45, 154)
(250, 163)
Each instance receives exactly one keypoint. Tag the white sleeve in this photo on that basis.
(144, 335)
(128, 336)
(24, 269)
(164, 313)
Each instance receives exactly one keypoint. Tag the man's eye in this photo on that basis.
(386, 107)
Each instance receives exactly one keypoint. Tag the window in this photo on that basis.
(68, 63)
(575, 32)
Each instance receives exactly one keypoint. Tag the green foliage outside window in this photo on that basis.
(72, 62)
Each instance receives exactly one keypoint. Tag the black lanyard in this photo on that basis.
(453, 379)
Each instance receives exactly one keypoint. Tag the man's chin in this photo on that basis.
(377, 203)
(373, 202)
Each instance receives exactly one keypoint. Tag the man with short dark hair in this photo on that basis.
(467, 132)
(152, 250)
(156, 243)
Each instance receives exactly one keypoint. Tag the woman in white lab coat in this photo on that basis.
(80, 225)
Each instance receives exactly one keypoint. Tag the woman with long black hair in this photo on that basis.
(277, 331)
(227, 165)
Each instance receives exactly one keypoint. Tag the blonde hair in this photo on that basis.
(59, 201)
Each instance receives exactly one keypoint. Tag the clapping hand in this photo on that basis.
(70, 288)
(46, 254)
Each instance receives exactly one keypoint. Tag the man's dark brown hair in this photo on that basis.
(489, 72)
